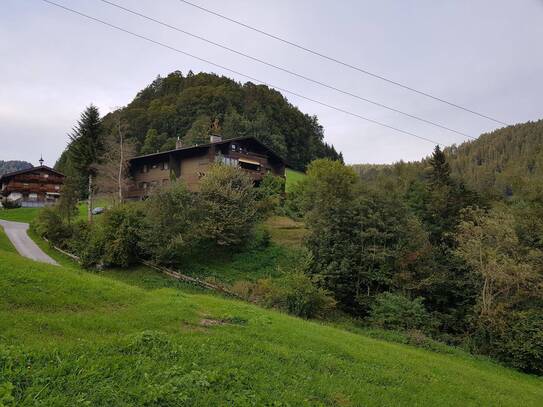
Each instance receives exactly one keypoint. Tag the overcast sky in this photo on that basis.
(483, 54)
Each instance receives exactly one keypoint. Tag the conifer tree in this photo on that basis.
(87, 146)
(440, 172)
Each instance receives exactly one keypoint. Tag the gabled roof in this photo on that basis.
(206, 145)
(32, 169)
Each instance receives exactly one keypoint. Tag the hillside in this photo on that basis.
(14, 165)
(193, 106)
(505, 163)
(73, 336)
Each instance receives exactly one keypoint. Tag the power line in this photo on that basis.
(236, 72)
(340, 62)
(286, 70)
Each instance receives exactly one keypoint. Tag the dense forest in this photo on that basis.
(194, 106)
(451, 245)
(506, 163)
(14, 165)
(419, 247)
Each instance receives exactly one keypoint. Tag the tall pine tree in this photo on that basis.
(87, 146)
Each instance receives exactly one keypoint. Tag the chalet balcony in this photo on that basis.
(30, 187)
(31, 178)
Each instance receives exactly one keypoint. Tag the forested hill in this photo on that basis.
(196, 105)
(14, 165)
(504, 163)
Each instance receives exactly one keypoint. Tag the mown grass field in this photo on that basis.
(27, 215)
(69, 337)
(19, 214)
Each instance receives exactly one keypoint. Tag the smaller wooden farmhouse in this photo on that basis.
(190, 163)
(33, 187)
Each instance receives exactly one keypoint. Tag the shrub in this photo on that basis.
(297, 294)
(296, 200)
(517, 340)
(270, 194)
(80, 234)
(114, 238)
(49, 224)
(395, 311)
(9, 204)
(170, 224)
(228, 206)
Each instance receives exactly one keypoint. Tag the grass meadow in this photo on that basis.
(70, 337)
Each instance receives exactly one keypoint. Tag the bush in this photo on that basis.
(298, 295)
(270, 194)
(295, 293)
(296, 204)
(516, 340)
(170, 224)
(8, 204)
(49, 224)
(395, 311)
(228, 206)
(114, 238)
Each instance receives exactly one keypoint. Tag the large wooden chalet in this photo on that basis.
(190, 164)
(33, 187)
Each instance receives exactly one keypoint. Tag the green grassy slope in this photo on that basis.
(69, 337)
(5, 244)
(20, 214)
(292, 177)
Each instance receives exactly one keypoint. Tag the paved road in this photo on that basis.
(16, 232)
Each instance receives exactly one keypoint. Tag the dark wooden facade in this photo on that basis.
(37, 186)
(190, 163)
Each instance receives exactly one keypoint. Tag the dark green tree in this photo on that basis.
(153, 142)
(86, 148)
(67, 205)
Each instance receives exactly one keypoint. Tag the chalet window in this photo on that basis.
(154, 166)
(144, 169)
(233, 147)
(165, 165)
(45, 175)
(231, 162)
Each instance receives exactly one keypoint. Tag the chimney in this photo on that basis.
(215, 139)
(178, 143)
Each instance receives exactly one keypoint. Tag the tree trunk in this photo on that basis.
(89, 201)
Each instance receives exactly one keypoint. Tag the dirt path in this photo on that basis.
(16, 232)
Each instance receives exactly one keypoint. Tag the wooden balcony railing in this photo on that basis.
(53, 179)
